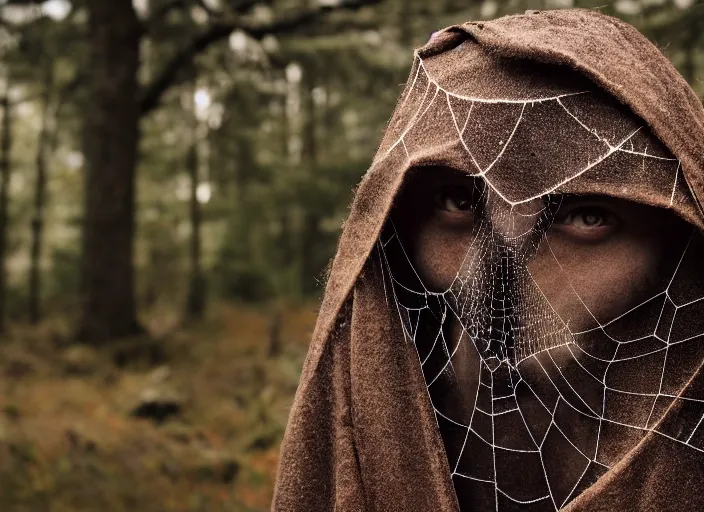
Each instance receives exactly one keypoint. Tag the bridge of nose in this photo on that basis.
(514, 224)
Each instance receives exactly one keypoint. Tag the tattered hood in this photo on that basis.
(567, 101)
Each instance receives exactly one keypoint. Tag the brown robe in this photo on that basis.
(362, 434)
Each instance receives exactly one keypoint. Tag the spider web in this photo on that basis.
(549, 409)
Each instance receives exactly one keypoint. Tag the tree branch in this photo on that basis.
(153, 92)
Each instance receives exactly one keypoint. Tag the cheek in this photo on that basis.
(438, 253)
(586, 284)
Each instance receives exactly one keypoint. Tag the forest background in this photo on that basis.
(173, 178)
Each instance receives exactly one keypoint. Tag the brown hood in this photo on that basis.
(362, 434)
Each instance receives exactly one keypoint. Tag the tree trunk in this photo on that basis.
(111, 136)
(5, 168)
(196, 289)
(43, 144)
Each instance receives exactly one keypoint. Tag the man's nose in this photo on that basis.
(513, 223)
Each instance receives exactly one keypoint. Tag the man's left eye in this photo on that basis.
(586, 218)
(586, 223)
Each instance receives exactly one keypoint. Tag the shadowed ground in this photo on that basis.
(70, 441)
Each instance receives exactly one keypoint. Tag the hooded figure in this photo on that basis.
(514, 319)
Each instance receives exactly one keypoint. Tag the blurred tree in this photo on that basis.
(110, 142)
(5, 169)
(195, 304)
(43, 149)
(111, 138)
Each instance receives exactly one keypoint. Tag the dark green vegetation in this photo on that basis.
(173, 177)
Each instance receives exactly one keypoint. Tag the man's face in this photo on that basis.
(598, 258)
(527, 327)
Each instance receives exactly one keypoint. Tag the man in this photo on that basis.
(515, 316)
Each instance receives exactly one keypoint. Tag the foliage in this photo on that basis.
(286, 124)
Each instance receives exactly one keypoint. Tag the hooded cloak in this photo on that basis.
(554, 102)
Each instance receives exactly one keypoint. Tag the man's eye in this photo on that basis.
(586, 218)
(454, 198)
(586, 223)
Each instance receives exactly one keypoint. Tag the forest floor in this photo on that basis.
(188, 419)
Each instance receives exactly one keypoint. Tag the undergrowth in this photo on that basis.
(69, 440)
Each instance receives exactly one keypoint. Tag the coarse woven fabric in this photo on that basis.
(362, 433)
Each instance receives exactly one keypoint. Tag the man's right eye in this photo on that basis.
(455, 199)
